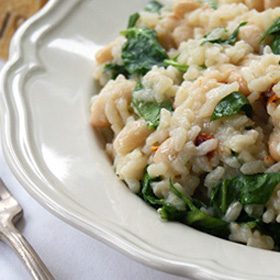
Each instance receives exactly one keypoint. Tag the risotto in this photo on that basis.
(190, 105)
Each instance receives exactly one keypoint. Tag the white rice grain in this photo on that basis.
(233, 212)
(253, 167)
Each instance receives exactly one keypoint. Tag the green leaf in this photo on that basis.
(252, 224)
(138, 86)
(150, 110)
(141, 51)
(114, 70)
(272, 36)
(170, 213)
(201, 220)
(223, 195)
(274, 29)
(184, 198)
(153, 7)
(275, 45)
(212, 3)
(209, 224)
(147, 192)
(210, 38)
(231, 105)
(218, 36)
(257, 189)
(245, 218)
(233, 37)
(172, 62)
(247, 189)
(133, 20)
(167, 212)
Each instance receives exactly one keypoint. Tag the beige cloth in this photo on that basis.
(12, 14)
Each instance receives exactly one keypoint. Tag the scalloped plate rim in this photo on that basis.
(195, 271)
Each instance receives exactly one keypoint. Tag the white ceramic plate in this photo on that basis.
(49, 145)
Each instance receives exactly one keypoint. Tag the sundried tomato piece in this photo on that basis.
(202, 137)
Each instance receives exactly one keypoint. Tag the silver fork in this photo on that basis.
(10, 213)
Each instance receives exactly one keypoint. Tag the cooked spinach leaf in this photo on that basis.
(201, 220)
(133, 20)
(252, 224)
(247, 189)
(274, 29)
(275, 45)
(250, 189)
(169, 212)
(223, 195)
(138, 86)
(257, 189)
(245, 218)
(181, 67)
(231, 105)
(150, 110)
(212, 3)
(191, 216)
(187, 200)
(218, 36)
(209, 224)
(147, 191)
(272, 36)
(230, 40)
(153, 7)
(233, 37)
(114, 70)
(141, 51)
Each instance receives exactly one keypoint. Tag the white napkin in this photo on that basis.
(68, 253)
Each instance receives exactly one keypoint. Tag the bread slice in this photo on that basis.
(12, 14)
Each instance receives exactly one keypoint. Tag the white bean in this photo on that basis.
(114, 90)
(251, 34)
(165, 152)
(133, 135)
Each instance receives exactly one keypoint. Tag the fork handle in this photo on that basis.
(24, 250)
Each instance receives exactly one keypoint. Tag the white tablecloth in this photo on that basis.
(68, 253)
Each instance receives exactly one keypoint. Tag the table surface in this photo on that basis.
(68, 253)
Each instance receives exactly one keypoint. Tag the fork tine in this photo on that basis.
(4, 192)
(10, 213)
(9, 206)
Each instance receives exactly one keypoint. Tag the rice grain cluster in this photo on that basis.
(191, 97)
